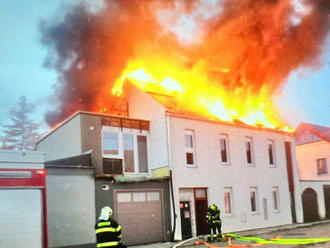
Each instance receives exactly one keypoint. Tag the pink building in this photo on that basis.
(313, 156)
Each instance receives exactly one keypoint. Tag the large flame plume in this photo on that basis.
(220, 59)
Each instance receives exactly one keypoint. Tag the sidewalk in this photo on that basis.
(254, 232)
(280, 228)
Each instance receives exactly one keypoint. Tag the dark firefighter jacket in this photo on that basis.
(213, 216)
(108, 233)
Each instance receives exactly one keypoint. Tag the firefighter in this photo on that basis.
(214, 222)
(107, 230)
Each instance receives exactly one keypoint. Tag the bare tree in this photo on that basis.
(21, 133)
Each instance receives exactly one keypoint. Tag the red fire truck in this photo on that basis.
(23, 218)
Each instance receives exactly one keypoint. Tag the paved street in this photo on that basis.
(309, 230)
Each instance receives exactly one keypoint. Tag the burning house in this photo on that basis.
(241, 168)
(187, 85)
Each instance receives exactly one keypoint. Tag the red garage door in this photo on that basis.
(141, 216)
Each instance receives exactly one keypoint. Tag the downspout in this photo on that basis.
(169, 157)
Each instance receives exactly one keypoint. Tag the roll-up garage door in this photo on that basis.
(141, 216)
(20, 218)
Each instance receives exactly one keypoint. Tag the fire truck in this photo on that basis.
(23, 217)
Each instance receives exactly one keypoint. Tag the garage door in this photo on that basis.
(140, 215)
(20, 218)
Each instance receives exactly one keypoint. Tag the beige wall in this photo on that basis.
(307, 156)
(64, 141)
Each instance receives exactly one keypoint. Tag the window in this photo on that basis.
(322, 167)
(110, 143)
(128, 152)
(139, 196)
(249, 151)
(254, 199)
(128, 146)
(228, 199)
(271, 152)
(189, 140)
(224, 148)
(142, 153)
(275, 193)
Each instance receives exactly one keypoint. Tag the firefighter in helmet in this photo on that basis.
(108, 231)
(214, 222)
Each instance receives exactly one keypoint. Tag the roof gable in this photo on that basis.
(309, 133)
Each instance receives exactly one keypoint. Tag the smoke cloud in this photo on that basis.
(247, 46)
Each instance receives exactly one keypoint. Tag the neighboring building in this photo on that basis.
(71, 202)
(23, 215)
(313, 156)
(110, 145)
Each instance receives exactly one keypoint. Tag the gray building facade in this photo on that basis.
(117, 147)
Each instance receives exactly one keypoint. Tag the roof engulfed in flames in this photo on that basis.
(221, 59)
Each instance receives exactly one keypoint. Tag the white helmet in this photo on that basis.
(106, 212)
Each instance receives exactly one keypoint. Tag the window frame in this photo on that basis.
(276, 198)
(228, 190)
(190, 149)
(225, 137)
(272, 143)
(120, 155)
(250, 140)
(255, 191)
(324, 171)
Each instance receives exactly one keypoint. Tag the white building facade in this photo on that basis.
(241, 169)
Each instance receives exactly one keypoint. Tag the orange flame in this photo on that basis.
(193, 92)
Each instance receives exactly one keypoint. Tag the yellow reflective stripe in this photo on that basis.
(106, 229)
(107, 244)
(106, 223)
(118, 228)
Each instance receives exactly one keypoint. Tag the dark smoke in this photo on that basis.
(89, 51)
(253, 39)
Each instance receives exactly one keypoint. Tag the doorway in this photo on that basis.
(185, 219)
(310, 207)
(326, 190)
(200, 195)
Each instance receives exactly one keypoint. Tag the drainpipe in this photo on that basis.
(169, 158)
(173, 206)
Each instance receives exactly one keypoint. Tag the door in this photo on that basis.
(326, 190)
(201, 210)
(310, 208)
(185, 219)
(141, 216)
(21, 218)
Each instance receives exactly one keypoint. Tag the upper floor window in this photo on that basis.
(249, 150)
(322, 167)
(142, 153)
(110, 143)
(275, 193)
(271, 152)
(189, 142)
(128, 140)
(228, 199)
(128, 146)
(254, 199)
(224, 148)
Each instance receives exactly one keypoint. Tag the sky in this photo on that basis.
(304, 98)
